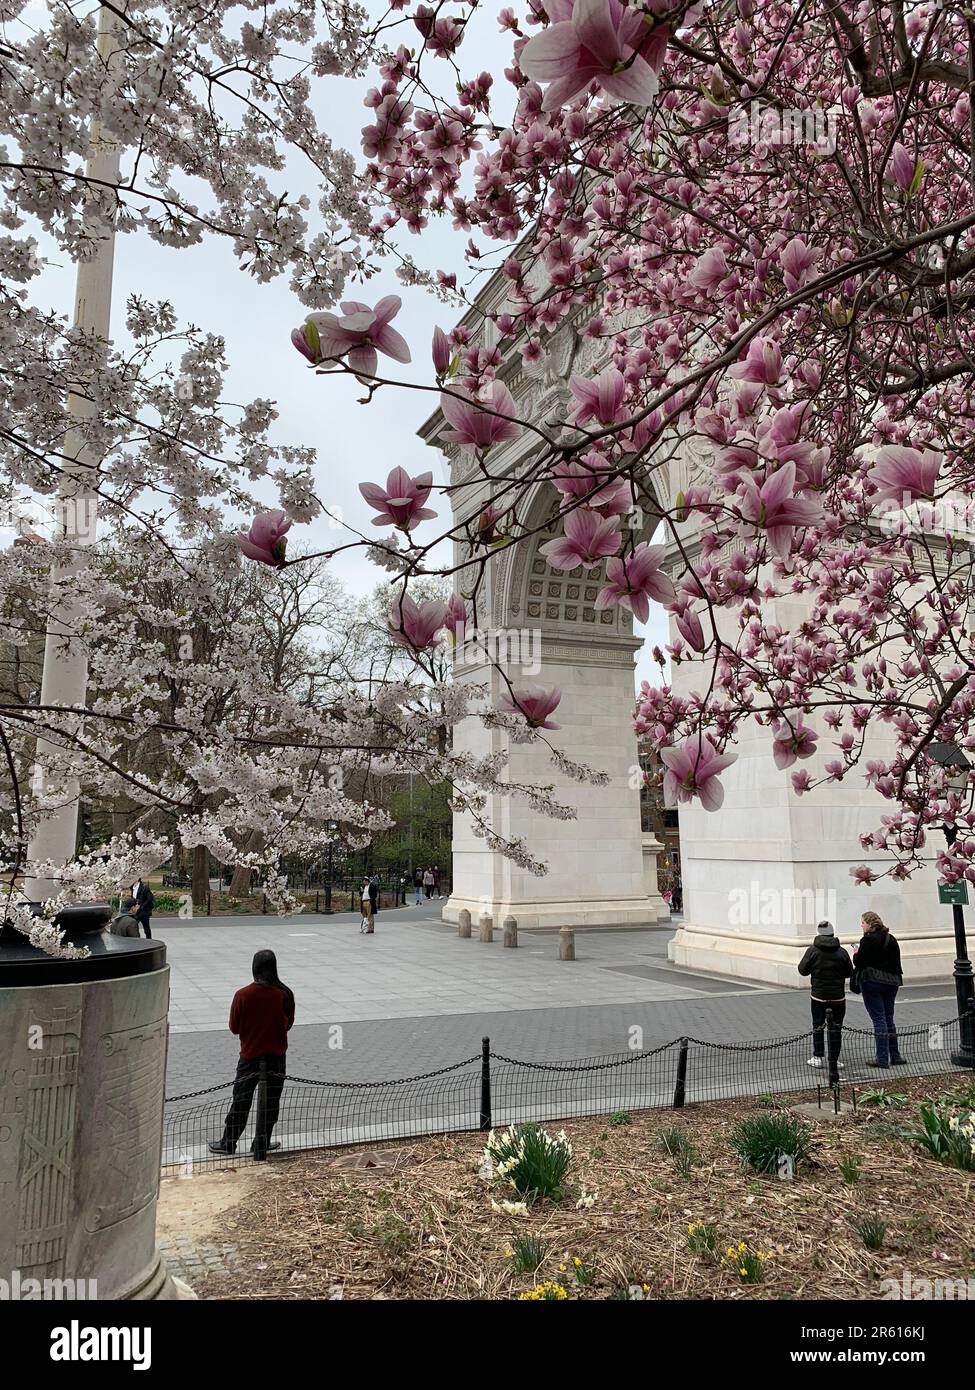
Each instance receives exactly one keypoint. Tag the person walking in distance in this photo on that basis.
(877, 978)
(436, 880)
(261, 1015)
(367, 925)
(418, 885)
(829, 968)
(428, 883)
(144, 902)
(374, 900)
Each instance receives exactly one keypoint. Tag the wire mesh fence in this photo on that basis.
(490, 1089)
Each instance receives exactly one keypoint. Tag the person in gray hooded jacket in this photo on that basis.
(829, 967)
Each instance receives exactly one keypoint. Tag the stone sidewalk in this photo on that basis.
(414, 997)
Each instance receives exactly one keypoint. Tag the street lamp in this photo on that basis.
(957, 767)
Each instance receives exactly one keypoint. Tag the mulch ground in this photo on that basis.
(414, 1220)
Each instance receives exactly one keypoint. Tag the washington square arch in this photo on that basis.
(755, 875)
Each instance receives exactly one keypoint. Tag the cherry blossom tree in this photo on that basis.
(754, 220)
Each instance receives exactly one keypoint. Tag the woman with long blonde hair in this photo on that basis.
(877, 978)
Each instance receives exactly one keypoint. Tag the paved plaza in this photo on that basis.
(414, 996)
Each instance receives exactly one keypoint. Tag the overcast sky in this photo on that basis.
(354, 443)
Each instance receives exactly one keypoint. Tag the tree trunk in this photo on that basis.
(241, 881)
(201, 875)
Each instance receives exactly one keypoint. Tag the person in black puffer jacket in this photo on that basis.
(877, 978)
(829, 967)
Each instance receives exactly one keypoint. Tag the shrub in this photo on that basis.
(168, 902)
(702, 1239)
(531, 1161)
(945, 1135)
(850, 1170)
(584, 1271)
(880, 1095)
(871, 1231)
(549, 1292)
(679, 1148)
(767, 1142)
(527, 1253)
(620, 1117)
(748, 1264)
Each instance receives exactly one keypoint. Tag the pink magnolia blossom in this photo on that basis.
(441, 352)
(692, 770)
(416, 625)
(774, 507)
(901, 474)
(762, 363)
(595, 40)
(588, 478)
(599, 399)
(689, 627)
(306, 340)
(480, 423)
(588, 539)
(798, 262)
(709, 271)
(455, 620)
(635, 579)
(267, 538)
(535, 703)
(901, 166)
(792, 742)
(361, 333)
(400, 502)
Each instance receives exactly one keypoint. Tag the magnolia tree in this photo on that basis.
(762, 215)
(758, 217)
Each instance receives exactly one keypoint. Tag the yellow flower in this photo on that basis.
(562, 1268)
(577, 1261)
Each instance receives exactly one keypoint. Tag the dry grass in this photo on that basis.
(414, 1220)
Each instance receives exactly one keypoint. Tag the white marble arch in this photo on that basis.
(756, 876)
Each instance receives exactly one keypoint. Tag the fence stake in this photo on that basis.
(485, 1083)
(680, 1085)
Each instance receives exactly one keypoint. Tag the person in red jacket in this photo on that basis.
(261, 1015)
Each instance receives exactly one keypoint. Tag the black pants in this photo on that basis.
(145, 922)
(245, 1083)
(838, 1009)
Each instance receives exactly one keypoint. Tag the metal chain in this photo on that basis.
(340, 1085)
(618, 1060)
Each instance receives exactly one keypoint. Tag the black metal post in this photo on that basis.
(680, 1084)
(316, 900)
(964, 979)
(208, 902)
(485, 1083)
(328, 896)
(264, 904)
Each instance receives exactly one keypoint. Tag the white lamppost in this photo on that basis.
(65, 677)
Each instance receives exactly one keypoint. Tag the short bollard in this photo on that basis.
(464, 923)
(486, 932)
(567, 943)
(510, 925)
